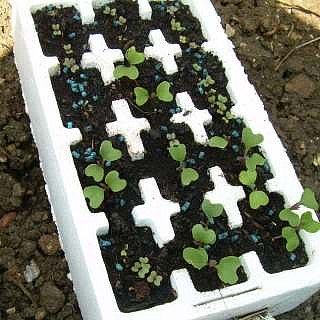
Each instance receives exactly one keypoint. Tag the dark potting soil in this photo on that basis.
(84, 103)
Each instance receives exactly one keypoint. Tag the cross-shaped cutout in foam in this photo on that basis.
(129, 127)
(101, 58)
(163, 51)
(145, 10)
(226, 195)
(194, 118)
(155, 213)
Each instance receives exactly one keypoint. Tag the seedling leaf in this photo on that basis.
(292, 238)
(94, 171)
(188, 175)
(248, 178)
(255, 160)
(95, 195)
(250, 139)
(134, 57)
(108, 153)
(288, 215)
(211, 210)
(114, 182)
(178, 152)
(227, 269)
(258, 199)
(218, 142)
(308, 224)
(198, 258)
(308, 199)
(205, 236)
(163, 92)
(142, 96)
(121, 71)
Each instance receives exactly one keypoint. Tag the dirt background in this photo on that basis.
(263, 33)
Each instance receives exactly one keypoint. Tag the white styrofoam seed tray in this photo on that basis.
(79, 228)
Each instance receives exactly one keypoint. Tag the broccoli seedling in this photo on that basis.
(211, 210)
(296, 223)
(227, 269)
(112, 181)
(178, 153)
(218, 142)
(250, 140)
(203, 235)
(155, 278)
(176, 26)
(162, 93)
(134, 58)
(141, 267)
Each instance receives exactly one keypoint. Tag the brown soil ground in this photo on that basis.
(263, 32)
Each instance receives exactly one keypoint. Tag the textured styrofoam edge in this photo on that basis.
(73, 218)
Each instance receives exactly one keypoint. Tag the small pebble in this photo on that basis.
(31, 272)
(69, 125)
(222, 236)
(266, 167)
(235, 238)
(270, 212)
(292, 257)
(76, 17)
(235, 134)
(178, 109)
(108, 164)
(95, 98)
(201, 155)
(49, 244)
(235, 148)
(119, 267)
(191, 161)
(71, 35)
(185, 206)
(163, 128)
(171, 136)
(65, 70)
(121, 138)
(157, 77)
(254, 238)
(239, 120)
(122, 202)
(83, 76)
(207, 247)
(172, 111)
(104, 243)
(76, 154)
(83, 94)
(158, 66)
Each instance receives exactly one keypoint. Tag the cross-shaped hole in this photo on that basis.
(163, 51)
(226, 195)
(194, 118)
(156, 212)
(129, 127)
(101, 58)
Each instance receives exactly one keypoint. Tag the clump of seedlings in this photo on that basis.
(178, 153)
(248, 177)
(106, 182)
(204, 238)
(142, 267)
(133, 58)
(299, 222)
(162, 93)
(70, 63)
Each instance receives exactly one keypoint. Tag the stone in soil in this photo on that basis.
(51, 298)
(49, 244)
(301, 85)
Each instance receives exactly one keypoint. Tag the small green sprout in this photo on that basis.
(258, 199)
(193, 45)
(71, 64)
(218, 142)
(108, 153)
(250, 140)
(178, 153)
(203, 235)
(96, 194)
(68, 48)
(108, 11)
(122, 20)
(255, 160)
(134, 58)
(183, 39)
(227, 269)
(162, 93)
(211, 210)
(198, 258)
(56, 30)
(207, 82)
(176, 26)
(297, 223)
(196, 67)
(248, 178)
(155, 278)
(141, 267)
(172, 10)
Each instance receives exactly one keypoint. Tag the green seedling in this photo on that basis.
(227, 269)
(108, 11)
(211, 210)
(178, 153)
(122, 20)
(296, 222)
(176, 26)
(154, 278)
(162, 93)
(56, 30)
(183, 39)
(207, 82)
(112, 181)
(250, 140)
(203, 235)
(255, 160)
(134, 58)
(198, 258)
(68, 48)
(141, 267)
(218, 142)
